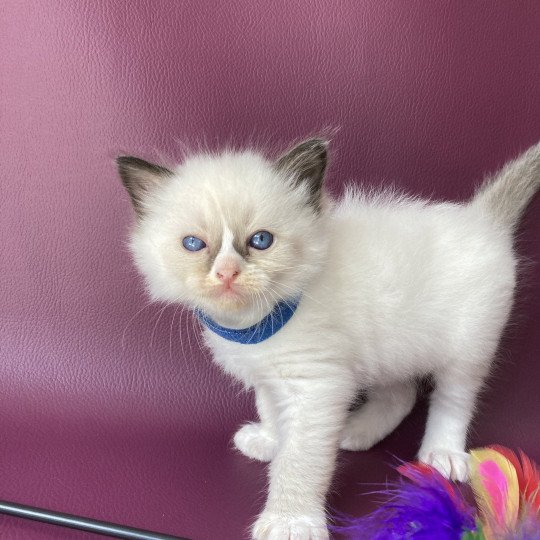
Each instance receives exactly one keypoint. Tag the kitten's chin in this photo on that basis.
(231, 302)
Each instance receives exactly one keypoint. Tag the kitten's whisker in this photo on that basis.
(296, 292)
(269, 306)
(187, 327)
(183, 328)
(275, 296)
(171, 331)
(197, 328)
(180, 330)
(280, 300)
(148, 304)
(259, 308)
(157, 322)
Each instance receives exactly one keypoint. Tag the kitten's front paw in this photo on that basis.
(255, 442)
(271, 526)
(451, 464)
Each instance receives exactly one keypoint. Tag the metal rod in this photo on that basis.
(84, 524)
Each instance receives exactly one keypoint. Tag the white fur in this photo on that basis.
(393, 288)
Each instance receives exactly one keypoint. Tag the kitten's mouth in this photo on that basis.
(228, 299)
(231, 291)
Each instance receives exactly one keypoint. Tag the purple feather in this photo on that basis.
(424, 507)
(528, 528)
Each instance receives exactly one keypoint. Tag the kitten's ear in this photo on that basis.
(307, 162)
(140, 178)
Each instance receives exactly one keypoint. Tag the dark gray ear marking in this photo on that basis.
(140, 178)
(307, 163)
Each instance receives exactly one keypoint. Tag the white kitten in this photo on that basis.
(368, 292)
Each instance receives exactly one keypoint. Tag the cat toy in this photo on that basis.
(424, 505)
(82, 523)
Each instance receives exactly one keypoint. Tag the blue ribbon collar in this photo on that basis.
(264, 329)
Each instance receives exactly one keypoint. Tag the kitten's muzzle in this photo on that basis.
(227, 274)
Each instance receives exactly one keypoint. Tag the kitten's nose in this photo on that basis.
(228, 274)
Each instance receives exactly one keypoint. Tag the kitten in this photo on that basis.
(307, 300)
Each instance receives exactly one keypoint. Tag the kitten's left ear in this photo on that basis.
(140, 178)
(307, 163)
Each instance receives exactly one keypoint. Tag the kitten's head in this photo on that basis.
(230, 233)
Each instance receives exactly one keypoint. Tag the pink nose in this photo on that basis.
(228, 275)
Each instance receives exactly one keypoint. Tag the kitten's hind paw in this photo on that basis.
(354, 438)
(362, 432)
(451, 464)
(255, 442)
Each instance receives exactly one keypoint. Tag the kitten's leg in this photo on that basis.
(450, 412)
(386, 407)
(310, 426)
(258, 440)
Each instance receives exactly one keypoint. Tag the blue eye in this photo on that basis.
(192, 243)
(261, 240)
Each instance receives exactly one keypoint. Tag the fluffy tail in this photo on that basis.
(507, 194)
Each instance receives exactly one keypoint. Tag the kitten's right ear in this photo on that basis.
(307, 162)
(140, 178)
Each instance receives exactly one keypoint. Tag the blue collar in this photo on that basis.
(260, 331)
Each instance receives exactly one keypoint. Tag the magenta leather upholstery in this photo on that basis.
(108, 408)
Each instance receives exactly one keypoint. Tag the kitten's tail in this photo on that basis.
(507, 195)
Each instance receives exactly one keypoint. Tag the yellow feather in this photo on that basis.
(499, 512)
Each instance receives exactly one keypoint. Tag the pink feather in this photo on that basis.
(496, 488)
(496, 485)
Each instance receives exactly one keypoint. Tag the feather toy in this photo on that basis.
(496, 489)
(510, 508)
(424, 505)
(528, 475)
